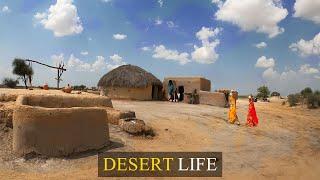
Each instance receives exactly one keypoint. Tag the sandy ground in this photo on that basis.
(285, 145)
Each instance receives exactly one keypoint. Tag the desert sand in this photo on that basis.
(285, 145)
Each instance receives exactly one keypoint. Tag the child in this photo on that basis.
(176, 98)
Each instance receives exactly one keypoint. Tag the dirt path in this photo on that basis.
(286, 144)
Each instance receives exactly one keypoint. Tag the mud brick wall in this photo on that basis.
(58, 101)
(212, 98)
(61, 131)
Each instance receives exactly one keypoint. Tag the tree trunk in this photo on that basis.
(25, 81)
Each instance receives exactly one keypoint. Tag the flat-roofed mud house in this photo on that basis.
(187, 85)
(130, 82)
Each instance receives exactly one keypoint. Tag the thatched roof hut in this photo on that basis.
(128, 76)
(130, 82)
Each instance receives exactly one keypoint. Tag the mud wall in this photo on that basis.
(56, 125)
(129, 93)
(68, 101)
(212, 98)
(58, 131)
(189, 83)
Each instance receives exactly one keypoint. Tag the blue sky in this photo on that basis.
(236, 44)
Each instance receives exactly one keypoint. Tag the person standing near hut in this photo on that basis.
(233, 117)
(176, 98)
(252, 118)
(171, 90)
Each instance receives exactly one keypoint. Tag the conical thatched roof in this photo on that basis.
(128, 76)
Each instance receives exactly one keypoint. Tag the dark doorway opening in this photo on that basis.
(155, 92)
(181, 92)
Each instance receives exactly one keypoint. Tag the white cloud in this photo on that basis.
(77, 64)
(307, 69)
(307, 48)
(116, 59)
(106, 1)
(317, 77)
(5, 9)
(98, 65)
(119, 36)
(307, 9)
(263, 62)
(158, 21)
(261, 16)
(145, 48)
(261, 45)
(171, 24)
(290, 81)
(219, 3)
(161, 52)
(270, 73)
(206, 33)
(62, 18)
(84, 53)
(160, 3)
(56, 59)
(206, 54)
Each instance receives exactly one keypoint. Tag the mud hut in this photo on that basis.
(130, 82)
(188, 84)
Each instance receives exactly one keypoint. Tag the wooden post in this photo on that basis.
(60, 69)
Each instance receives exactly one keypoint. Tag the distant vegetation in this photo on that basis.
(79, 87)
(305, 97)
(10, 83)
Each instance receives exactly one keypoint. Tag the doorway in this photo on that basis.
(155, 93)
(181, 92)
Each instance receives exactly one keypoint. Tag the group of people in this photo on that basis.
(173, 92)
(252, 118)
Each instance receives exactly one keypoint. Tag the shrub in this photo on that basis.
(80, 88)
(312, 101)
(317, 95)
(293, 99)
(10, 83)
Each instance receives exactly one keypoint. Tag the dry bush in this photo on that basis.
(293, 99)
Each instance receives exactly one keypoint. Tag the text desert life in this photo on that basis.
(115, 88)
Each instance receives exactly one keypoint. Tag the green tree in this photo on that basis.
(21, 69)
(263, 92)
(10, 83)
(306, 92)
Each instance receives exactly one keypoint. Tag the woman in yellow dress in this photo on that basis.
(233, 108)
